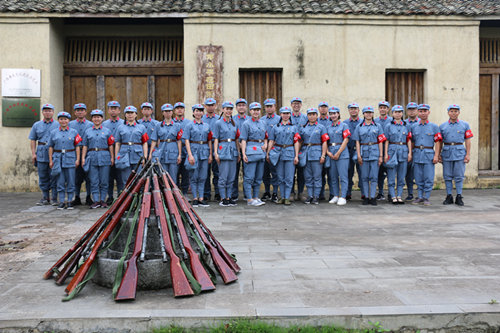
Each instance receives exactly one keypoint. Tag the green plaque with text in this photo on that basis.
(20, 112)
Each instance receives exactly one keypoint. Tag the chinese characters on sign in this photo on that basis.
(209, 61)
(20, 82)
(20, 97)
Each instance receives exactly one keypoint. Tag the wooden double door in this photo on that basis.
(489, 133)
(97, 90)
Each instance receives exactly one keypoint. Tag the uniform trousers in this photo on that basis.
(125, 173)
(227, 170)
(172, 169)
(382, 174)
(312, 175)
(237, 179)
(184, 174)
(398, 172)
(252, 178)
(338, 174)
(410, 177)
(66, 183)
(454, 171)
(285, 171)
(114, 177)
(46, 181)
(197, 178)
(324, 174)
(270, 177)
(369, 175)
(424, 177)
(350, 173)
(299, 179)
(99, 181)
(81, 176)
(213, 168)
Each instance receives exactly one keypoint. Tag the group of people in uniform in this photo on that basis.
(287, 151)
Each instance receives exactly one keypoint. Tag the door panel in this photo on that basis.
(82, 89)
(485, 105)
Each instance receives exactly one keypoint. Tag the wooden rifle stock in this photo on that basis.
(128, 285)
(82, 271)
(83, 240)
(180, 282)
(197, 268)
(227, 257)
(226, 272)
(134, 172)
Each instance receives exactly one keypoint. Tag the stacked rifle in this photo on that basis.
(181, 230)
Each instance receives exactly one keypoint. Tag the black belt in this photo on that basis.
(368, 143)
(260, 141)
(40, 143)
(397, 143)
(168, 140)
(453, 143)
(199, 142)
(283, 146)
(424, 147)
(333, 144)
(132, 143)
(63, 151)
(98, 149)
(313, 144)
(227, 140)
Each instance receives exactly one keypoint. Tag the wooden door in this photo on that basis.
(80, 89)
(489, 93)
(168, 89)
(257, 85)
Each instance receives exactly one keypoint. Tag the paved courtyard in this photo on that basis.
(408, 267)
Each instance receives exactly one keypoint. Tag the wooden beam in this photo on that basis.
(101, 92)
(489, 70)
(495, 98)
(91, 71)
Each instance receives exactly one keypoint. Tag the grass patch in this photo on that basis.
(256, 326)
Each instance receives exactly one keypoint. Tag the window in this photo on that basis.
(404, 86)
(258, 84)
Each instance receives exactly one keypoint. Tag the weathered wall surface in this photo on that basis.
(344, 59)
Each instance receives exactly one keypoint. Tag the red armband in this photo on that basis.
(111, 140)
(408, 137)
(296, 137)
(468, 134)
(381, 138)
(179, 134)
(267, 136)
(78, 139)
(325, 138)
(210, 136)
(346, 133)
(145, 138)
(237, 133)
(438, 137)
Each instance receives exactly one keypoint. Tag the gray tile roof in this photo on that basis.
(368, 7)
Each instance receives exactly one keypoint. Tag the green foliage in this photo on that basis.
(256, 326)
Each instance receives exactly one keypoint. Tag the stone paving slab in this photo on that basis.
(412, 267)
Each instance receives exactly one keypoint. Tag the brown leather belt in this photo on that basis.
(397, 143)
(199, 142)
(132, 143)
(40, 143)
(98, 149)
(283, 146)
(63, 151)
(333, 144)
(453, 143)
(313, 144)
(424, 147)
(259, 141)
(368, 143)
(168, 140)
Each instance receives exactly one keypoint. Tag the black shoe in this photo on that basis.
(380, 196)
(217, 197)
(88, 200)
(266, 196)
(70, 205)
(409, 197)
(195, 203)
(61, 206)
(448, 200)
(203, 203)
(110, 201)
(76, 201)
(348, 197)
(308, 201)
(234, 198)
(95, 205)
(389, 198)
(458, 200)
(315, 201)
(232, 203)
(43, 202)
(363, 197)
(274, 198)
(224, 203)
(322, 198)
(365, 201)
(373, 201)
